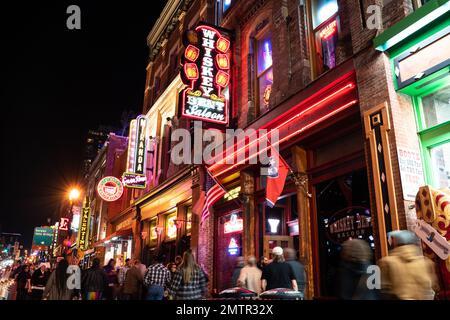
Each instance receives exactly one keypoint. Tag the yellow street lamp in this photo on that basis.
(74, 194)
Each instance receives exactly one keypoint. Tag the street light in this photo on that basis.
(74, 194)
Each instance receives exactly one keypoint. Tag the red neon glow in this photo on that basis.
(329, 30)
(191, 71)
(222, 44)
(335, 94)
(222, 61)
(191, 53)
(309, 125)
(222, 79)
(203, 77)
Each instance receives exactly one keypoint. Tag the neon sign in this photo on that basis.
(206, 72)
(329, 30)
(235, 224)
(233, 248)
(64, 224)
(83, 232)
(135, 176)
(273, 223)
(132, 180)
(110, 189)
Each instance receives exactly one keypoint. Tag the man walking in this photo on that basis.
(278, 274)
(250, 276)
(297, 268)
(133, 283)
(156, 279)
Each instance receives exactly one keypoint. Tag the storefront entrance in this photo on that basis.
(343, 213)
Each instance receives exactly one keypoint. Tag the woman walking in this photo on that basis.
(56, 288)
(190, 281)
(23, 283)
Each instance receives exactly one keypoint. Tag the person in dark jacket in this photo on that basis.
(23, 283)
(113, 280)
(133, 283)
(278, 274)
(352, 278)
(240, 263)
(39, 281)
(94, 282)
(297, 267)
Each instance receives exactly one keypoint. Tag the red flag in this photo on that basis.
(278, 171)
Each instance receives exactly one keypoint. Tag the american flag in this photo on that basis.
(214, 192)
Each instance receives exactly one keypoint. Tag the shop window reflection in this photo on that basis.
(264, 72)
(325, 26)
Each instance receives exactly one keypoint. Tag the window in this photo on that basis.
(433, 117)
(222, 7)
(322, 10)
(436, 107)
(264, 72)
(325, 24)
(156, 87)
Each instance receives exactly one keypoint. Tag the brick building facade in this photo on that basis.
(310, 70)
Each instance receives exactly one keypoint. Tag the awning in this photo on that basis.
(413, 25)
(121, 234)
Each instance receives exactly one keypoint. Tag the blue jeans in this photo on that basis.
(155, 293)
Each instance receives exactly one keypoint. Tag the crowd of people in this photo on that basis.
(405, 274)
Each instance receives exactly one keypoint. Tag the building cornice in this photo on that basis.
(165, 25)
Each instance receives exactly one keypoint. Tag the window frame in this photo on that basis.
(265, 32)
(315, 73)
(429, 137)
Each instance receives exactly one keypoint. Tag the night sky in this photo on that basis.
(57, 84)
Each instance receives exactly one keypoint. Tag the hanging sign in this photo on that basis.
(206, 72)
(83, 232)
(64, 224)
(110, 189)
(132, 180)
(135, 176)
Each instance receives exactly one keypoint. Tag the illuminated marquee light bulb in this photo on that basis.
(223, 44)
(222, 61)
(191, 71)
(222, 79)
(191, 53)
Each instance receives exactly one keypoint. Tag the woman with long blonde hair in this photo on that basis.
(190, 281)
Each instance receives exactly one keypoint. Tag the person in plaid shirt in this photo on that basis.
(190, 281)
(156, 279)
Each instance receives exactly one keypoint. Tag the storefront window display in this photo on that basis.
(264, 71)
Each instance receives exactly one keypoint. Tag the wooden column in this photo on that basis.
(377, 125)
(304, 221)
(248, 192)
